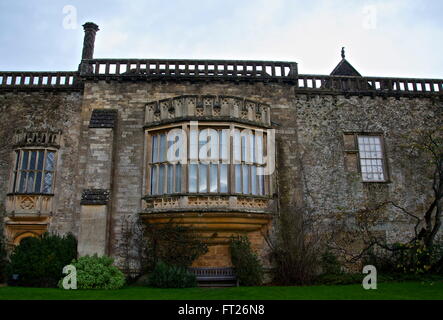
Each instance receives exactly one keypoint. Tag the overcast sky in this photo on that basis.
(397, 38)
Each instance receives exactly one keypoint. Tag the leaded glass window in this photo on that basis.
(216, 159)
(165, 176)
(34, 171)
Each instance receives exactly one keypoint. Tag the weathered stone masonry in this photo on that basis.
(104, 116)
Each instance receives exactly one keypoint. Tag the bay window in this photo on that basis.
(220, 158)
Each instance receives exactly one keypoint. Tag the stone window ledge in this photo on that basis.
(29, 203)
(202, 202)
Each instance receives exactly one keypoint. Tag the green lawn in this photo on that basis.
(396, 291)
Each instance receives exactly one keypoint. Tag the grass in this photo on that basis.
(385, 291)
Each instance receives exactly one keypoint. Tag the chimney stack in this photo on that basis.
(89, 39)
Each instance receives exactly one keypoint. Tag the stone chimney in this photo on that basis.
(88, 43)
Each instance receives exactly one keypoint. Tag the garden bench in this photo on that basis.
(215, 277)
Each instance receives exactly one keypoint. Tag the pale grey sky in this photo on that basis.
(398, 38)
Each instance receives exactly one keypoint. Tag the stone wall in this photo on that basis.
(36, 111)
(313, 171)
(331, 184)
(130, 100)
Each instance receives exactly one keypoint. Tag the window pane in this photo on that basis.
(17, 155)
(50, 156)
(179, 147)
(213, 178)
(214, 145)
(243, 148)
(193, 144)
(261, 181)
(192, 178)
(41, 156)
(245, 179)
(154, 148)
(30, 182)
(178, 178)
(223, 178)
(161, 179)
(154, 180)
(259, 150)
(25, 160)
(47, 186)
(237, 146)
(162, 147)
(224, 145)
(203, 176)
(170, 178)
(203, 145)
(33, 160)
(238, 178)
(251, 149)
(17, 159)
(38, 182)
(254, 179)
(22, 182)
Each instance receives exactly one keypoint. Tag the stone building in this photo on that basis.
(85, 151)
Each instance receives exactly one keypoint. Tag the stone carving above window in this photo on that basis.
(207, 107)
(37, 138)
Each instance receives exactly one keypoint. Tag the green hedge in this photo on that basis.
(95, 272)
(3, 261)
(39, 262)
(171, 276)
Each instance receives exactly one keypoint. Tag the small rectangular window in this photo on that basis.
(371, 158)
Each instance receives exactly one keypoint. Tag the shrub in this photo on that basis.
(39, 262)
(295, 248)
(170, 276)
(407, 258)
(339, 279)
(330, 264)
(95, 272)
(173, 244)
(246, 263)
(3, 261)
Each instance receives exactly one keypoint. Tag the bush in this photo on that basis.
(170, 276)
(330, 264)
(3, 261)
(407, 258)
(295, 248)
(39, 262)
(95, 272)
(339, 279)
(246, 263)
(173, 244)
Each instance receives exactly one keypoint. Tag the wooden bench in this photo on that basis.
(215, 277)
